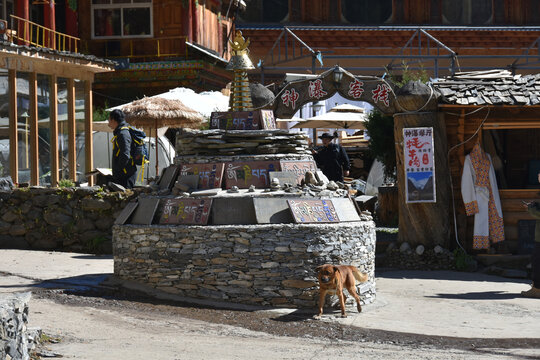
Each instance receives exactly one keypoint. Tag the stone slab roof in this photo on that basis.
(495, 87)
(47, 52)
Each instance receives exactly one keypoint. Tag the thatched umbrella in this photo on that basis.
(155, 112)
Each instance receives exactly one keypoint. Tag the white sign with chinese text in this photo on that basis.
(419, 164)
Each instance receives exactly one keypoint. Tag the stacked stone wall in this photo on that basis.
(263, 264)
(70, 219)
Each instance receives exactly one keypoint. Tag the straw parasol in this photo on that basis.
(155, 112)
(345, 116)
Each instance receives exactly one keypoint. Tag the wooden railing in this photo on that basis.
(143, 48)
(26, 32)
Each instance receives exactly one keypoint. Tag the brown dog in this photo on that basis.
(335, 278)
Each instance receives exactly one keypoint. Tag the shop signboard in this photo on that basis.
(419, 165)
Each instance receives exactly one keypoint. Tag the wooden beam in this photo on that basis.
(34, 143)
(53, 116)
(13, 133)
(88, 136)
(72, 150)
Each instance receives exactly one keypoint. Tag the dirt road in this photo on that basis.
(91, 327)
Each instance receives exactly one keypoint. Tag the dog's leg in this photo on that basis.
(342, 303)
(322, 298)
(352, 291)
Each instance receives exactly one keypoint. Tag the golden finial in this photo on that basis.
(239, 44)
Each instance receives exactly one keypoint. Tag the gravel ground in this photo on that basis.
(113, 324)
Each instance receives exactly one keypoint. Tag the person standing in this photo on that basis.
(332, 159)
(124, 169)
(534, 292)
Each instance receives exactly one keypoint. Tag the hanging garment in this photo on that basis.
(481, 197)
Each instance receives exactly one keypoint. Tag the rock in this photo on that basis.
(438, 249)
(420, 249)
(95, 204)
(115, 187)
(10, 216)
(299, 284)
(17, 230)
(404, 247)
(84, 224)
(332, 186)
(56, 218)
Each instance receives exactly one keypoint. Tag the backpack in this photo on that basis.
(138, 152)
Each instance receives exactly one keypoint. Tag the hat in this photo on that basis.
(326, 136)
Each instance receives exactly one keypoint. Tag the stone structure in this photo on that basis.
(72, 219)
(16, 340)
(252, 264)
(240, 142)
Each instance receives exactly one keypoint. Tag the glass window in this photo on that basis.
(467, 12)
(367, 11)
(80, 117)
(63, 127)
(23, 126)
(44, 129)
(134, 21)
(121, 18)
(4, 124)
(269, 11)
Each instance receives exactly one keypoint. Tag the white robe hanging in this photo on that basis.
(478, 187)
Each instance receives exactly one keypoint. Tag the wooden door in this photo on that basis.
(168, 26)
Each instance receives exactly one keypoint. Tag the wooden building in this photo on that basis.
(500, 111)
(369, 37)
(158, 44)
(46, 112)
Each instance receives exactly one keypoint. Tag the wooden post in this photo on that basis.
(88, 136)
(72, 150)
(13, 127)
(34, 142)
(53, 116)
(423, 223)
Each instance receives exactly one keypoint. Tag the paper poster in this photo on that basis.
(419, 164)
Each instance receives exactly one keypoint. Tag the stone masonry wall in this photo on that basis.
(252, 264)
(15, 339)
(71, 219)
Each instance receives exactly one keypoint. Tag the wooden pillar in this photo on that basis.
(72, 150)
(188, 20)
(53, 98)
(88, 136)
(195, 21)
(423, 223)
(13, 126)
(34, 143)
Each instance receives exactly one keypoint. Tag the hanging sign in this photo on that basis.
(419, 165)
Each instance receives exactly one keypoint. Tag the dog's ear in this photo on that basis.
(318, 268)
(336, 269)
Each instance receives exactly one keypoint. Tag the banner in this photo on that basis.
(419, 165)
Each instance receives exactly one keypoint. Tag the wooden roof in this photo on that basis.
(497, 87)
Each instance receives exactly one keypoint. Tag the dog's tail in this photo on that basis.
(360, 276)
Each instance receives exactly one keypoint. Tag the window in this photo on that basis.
(6, 9)
(366, 11)
(121, 18)
(268, 11)
(467, 12)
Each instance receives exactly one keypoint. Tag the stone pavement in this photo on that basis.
(443, 303)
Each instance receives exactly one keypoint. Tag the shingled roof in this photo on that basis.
(495, 87)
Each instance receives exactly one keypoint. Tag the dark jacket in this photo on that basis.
(534, 211)
(123, 166)
(332, 160)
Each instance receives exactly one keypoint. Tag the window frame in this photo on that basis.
(114, 6)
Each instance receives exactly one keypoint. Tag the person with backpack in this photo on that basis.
(124, 169)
